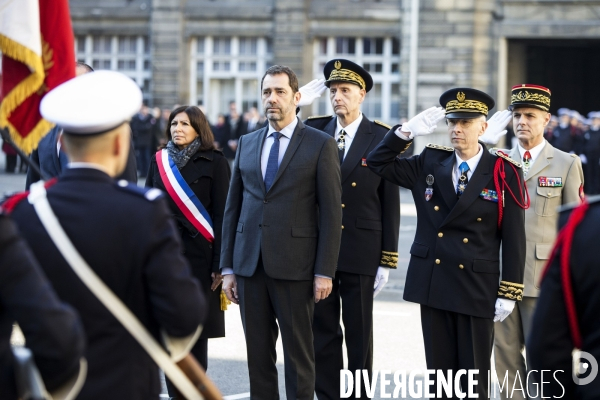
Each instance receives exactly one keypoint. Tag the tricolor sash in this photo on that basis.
(183, 196)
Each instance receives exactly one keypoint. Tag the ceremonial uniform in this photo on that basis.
(371, 219)
(592, 152)
(454, 270)
(567, 312)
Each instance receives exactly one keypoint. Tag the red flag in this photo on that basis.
(36, 40)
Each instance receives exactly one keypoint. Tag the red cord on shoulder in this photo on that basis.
(500, 184)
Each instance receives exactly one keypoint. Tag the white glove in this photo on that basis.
(311, 91)
(503, 309)
(496, 127)
(381, 279)
(423, 123)
(583, 158)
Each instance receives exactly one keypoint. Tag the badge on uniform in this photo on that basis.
(429, 189)
(545, 181)
(363, 162)
(489, 195)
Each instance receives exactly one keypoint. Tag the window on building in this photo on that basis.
(125, 53)
(378, 55)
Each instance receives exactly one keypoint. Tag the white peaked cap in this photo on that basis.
(92, 103)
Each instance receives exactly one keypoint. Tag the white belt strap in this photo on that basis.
(37, 197)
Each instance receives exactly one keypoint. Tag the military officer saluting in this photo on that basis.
(463, 217)
(370, 227)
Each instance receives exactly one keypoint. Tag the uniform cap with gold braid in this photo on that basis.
(340, 70)
(527, 95)
(466, 103)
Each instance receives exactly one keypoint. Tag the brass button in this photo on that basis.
(437, 261)
(440, 234)
(549, 194)
(461, 266)
(353, 184)
(342, 226)
(343, 206)
(436, 208)
(478, 219)
(465, 240)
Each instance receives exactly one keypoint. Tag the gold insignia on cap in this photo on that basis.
(531, 97)
(337, 64)
(460, 96)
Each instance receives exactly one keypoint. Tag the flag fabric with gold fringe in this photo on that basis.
(36, 41)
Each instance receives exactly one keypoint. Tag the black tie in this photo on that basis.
(341, 142)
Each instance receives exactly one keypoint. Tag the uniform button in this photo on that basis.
(437, 261)
(353, 184)
(343, 206)
(478, 219)
(465, 240)
(265, 201)
(342, 226)
(461, 266)
(436, 208)
(549, 194)
(440, 234)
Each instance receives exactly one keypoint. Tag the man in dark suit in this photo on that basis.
(462, 219)
(52, 159)
(125, 234)
(281, 237)
(566, 316)
(371, 222)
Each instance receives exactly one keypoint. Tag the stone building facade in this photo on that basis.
(211, 52)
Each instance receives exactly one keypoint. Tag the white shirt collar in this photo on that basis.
(288, 131)
(535, 152)
(351, 129)
(74, 165)
(472, 162)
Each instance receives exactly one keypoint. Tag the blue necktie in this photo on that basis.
(462, 179)
(273, 162)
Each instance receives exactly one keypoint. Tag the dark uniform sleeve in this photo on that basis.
(384, 162)
(177, 300)
(52, 330)
(390, 218)
(220, 188)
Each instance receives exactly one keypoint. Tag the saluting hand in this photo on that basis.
(311, 91)
(496, 127)
(230, 288)
(322, 288)
(423, 123)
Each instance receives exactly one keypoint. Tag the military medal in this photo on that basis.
(545, 181)
(341, 142)
(363, 162)
(429, 189)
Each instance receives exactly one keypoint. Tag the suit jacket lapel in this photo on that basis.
(480, 178)
(291, 149)
(258, 154)
(443, 180)
(362, 140)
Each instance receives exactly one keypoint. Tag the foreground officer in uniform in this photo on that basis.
(123, 232)
(370, 226)
(566, 317)
(553, 178)
(454, 270)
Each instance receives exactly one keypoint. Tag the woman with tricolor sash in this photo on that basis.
(195, 177)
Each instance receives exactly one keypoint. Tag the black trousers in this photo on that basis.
(356, 294)
(266, 303)
(456, 341)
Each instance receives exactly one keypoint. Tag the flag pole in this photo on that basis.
(7, 139)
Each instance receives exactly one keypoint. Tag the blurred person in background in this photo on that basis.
(220, 132)
(204, 174)
(592, 148)
(142, 129)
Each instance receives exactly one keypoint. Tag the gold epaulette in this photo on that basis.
(389, 259)
(439, 147)
(511, 291)
(507, 158)
(319, 116)
(386, 126)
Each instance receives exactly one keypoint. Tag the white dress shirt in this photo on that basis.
(534, 152)
(350, 132)
(284, 141)
(472, 162)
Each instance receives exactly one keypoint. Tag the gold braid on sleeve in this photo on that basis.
(511, 291)
(389, 259)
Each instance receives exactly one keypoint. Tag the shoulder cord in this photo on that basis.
(501, 185)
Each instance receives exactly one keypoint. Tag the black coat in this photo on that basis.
(52, 329)
(370, 204)
(455, 256)
(208, 175)
(549, 345)
(128, 238)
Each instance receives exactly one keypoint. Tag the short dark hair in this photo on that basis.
(84, 65)
(198, 121)
(282, 69)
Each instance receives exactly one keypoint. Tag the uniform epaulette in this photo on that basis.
(501, 154)
(493, 150)
(386, 126)
(439, 147)
(319, 116)
(573, 155)
(149, 194)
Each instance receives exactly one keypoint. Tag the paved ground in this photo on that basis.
(397, 331)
